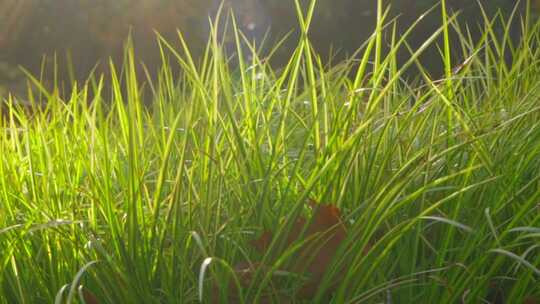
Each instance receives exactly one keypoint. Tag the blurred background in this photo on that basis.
(76, 35)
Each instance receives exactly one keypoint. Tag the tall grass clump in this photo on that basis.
(106, 197)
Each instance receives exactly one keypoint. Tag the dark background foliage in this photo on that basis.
(79, 33)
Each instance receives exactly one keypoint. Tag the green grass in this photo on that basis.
(155, 204)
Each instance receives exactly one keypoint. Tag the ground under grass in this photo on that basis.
(105, 198)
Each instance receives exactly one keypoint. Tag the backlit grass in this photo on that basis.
(439, 178)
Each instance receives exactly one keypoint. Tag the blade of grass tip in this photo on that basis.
(247, 96)
(187, 64)
(450, 222)
(380, 69)
(38, 84)
(533, 230)
(448, 70)
(305, 22)
(76, 280)
(60, 294)
(508, 22)
(369, 45)
(461, 118)
(199, 242)
(492, 226)
(494, 38)
(378, 36)
(86, 297)
(525, 254)
(202, 274)
(517, 258)
(13, 227)
(374, 101)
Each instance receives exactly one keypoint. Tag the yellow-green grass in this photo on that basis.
(156, 204)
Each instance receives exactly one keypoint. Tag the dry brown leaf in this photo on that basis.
(263, 242)
(89, 297)
(322, 238)
(531, 300)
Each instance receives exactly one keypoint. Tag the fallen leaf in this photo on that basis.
(319, 239)
(322, 237)
(89, 297)
(531, 300)
(263, 242)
